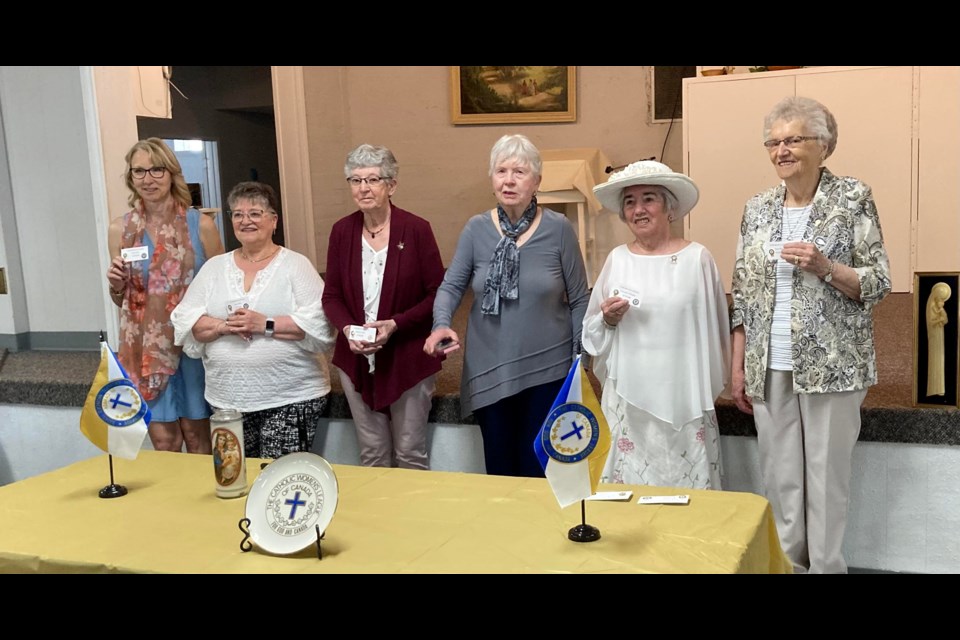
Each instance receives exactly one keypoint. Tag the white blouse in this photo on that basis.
(372, 265)
(781, 342)
(262, 373)
(669, 356)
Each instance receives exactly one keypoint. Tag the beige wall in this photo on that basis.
(443, 168)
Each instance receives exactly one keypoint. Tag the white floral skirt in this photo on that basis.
(645, 450)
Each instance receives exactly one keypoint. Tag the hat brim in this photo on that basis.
(610, 193)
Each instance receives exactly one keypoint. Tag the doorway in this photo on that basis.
(200, 163)
(233, 106)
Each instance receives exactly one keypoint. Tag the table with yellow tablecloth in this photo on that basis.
(387, 521)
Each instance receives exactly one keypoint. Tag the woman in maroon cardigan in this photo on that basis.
(383, 271)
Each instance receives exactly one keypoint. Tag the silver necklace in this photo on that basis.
(789, 234)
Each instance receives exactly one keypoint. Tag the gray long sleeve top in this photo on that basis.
(535, 337)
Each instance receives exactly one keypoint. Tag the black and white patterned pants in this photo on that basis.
(271, 433)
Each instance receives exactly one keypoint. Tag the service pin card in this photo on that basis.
(134, 254)
(664, 500)
(772, 250)
(235, 305)
(362, 334)
(631, 296)
(611, 495)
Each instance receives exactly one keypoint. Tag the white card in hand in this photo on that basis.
(611, 495)
(134, 254)
(772, 250)
(235, 305)
(362, 334)
(664, 500)
(631, 296)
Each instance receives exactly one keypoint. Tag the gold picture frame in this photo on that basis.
(509, 95)
(936, 346)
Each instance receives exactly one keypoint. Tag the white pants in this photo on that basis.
(401, 435)
(806, 446)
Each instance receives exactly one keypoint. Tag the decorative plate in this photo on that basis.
(289, 499)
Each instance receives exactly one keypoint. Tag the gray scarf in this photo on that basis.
(504, 274)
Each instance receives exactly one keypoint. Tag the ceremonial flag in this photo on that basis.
(573, 443)
(115, 416)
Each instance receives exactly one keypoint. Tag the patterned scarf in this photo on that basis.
(504, 275)
(147, 351)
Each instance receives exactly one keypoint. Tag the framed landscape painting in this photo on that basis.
(507, 95)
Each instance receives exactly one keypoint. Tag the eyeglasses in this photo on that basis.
(255, 215)
(139, 173)
(373, 181)
(791, 142)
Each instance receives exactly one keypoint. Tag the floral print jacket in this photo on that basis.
(832, 334)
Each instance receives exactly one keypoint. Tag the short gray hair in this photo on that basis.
(368, 155)
(670, 202)
(516, 147)
(815, 117)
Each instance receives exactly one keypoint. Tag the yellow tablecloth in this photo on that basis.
(387, 521)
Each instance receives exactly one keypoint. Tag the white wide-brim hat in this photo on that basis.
(610, 193)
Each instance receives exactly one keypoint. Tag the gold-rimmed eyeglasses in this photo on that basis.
(791, 142)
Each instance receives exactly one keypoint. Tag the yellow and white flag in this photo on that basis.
(574, 441)
(115, 416)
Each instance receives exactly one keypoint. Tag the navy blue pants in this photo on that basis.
(509, 427)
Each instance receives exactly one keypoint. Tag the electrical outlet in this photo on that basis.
(3, 281)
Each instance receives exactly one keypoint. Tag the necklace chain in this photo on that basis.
(373, 234)
(788, 233)
(249, 259)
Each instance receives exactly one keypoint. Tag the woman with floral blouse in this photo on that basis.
(810, 267)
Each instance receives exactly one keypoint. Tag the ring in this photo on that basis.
(796, 260)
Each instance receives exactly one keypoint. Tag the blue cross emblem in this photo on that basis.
(577, 429)
(296, 502)
(116, 400)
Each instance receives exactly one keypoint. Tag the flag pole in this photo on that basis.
(112, 490)
(583, 532)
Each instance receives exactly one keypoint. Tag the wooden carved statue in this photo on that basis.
(936, 319)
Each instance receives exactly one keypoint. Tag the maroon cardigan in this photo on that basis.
(411, 277)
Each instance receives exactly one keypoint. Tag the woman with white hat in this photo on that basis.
(657, 326)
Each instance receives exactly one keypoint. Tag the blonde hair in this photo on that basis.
(161, 156)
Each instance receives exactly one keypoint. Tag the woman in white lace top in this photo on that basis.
(254, 315)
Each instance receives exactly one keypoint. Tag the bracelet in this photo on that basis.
(115, 293)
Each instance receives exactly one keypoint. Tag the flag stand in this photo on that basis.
(584, 532)
(112, 490)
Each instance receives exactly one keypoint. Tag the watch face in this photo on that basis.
(269, 327)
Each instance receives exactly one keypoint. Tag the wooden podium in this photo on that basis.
(569, 176)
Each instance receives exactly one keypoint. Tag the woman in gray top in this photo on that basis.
(530, 293)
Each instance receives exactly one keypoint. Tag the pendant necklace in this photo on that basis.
(373, 234)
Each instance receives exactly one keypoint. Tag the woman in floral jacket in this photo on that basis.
(810, 267)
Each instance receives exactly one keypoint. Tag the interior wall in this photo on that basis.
(443, 168)
(49, 204)
(234, 106)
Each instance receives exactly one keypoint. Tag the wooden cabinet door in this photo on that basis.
(938, 212)
(874, 112)
(723, 133)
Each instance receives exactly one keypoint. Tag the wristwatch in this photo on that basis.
(268, 330)
(829, 276)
